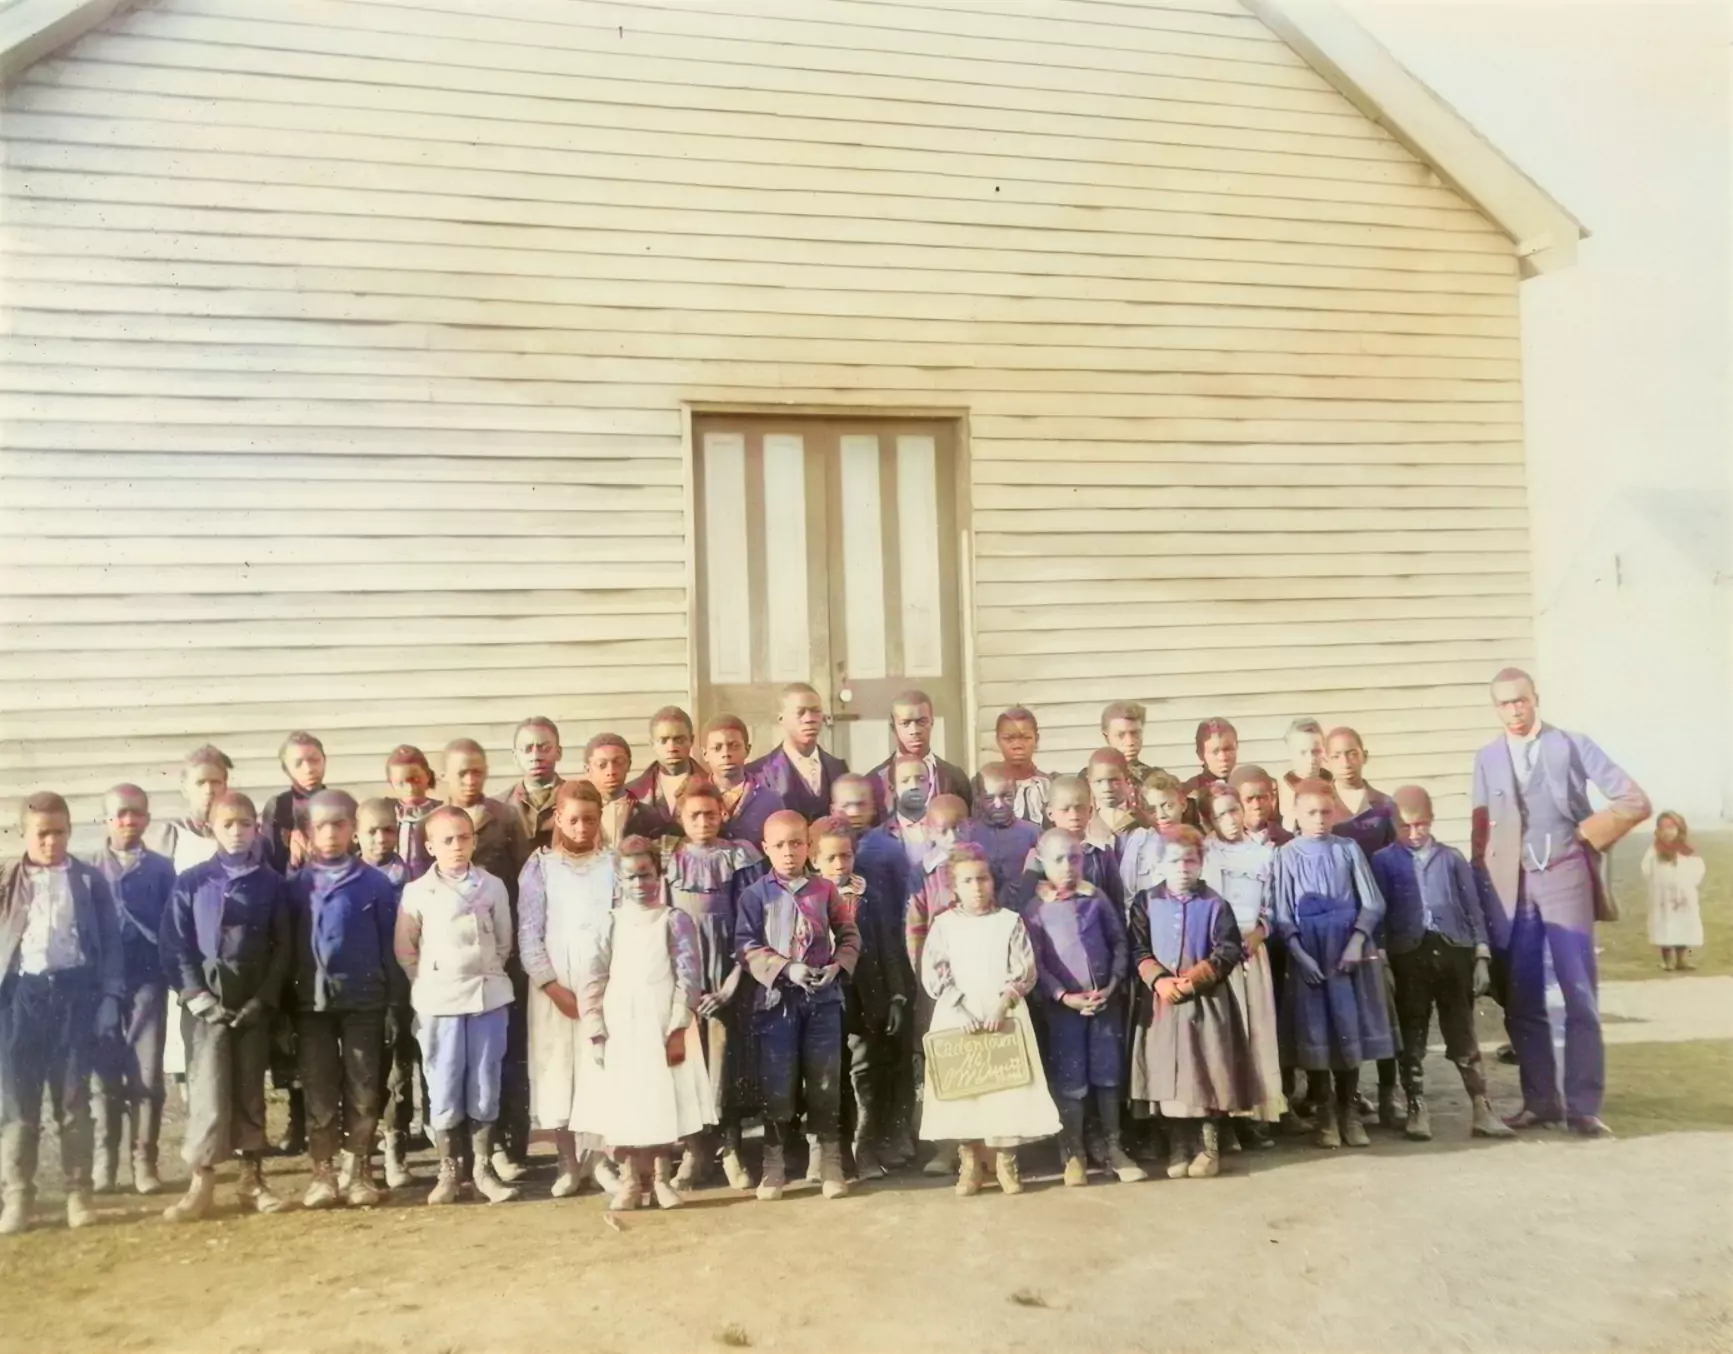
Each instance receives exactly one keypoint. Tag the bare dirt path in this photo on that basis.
(1550, 1243)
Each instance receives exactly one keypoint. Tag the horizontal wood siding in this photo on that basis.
(345, 344)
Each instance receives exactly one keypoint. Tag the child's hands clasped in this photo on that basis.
(1170, 990)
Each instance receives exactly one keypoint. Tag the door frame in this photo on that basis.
(962, 474)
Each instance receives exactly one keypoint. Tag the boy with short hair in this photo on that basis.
(498, 850)
(1110, 787)
(875, 999)
(344, 915)
(1080, 957)
(671, 770)
(129, 1068)
(535, 745)
(1019, 735)
(1071, 809)
(799, 771)
(608, 766)
(1436, 935)
(62, 989)
(746, 805)
(283, 820)
(998, 829)
(228, 946)
(1122, 730)
(794, 933)
(453, 936)
(912, 732)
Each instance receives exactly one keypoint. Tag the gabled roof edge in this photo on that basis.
(33, 29)
(1335, 45)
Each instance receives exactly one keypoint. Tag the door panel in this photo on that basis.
(856, 595)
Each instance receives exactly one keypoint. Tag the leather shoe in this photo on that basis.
(1588, 1126)
(1527, 1118)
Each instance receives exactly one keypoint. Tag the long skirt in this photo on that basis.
(1192, 1060)
(1343, 1021)
(1254, 989)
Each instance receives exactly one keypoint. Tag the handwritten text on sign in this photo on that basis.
(962, 1065)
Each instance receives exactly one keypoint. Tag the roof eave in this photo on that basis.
(33, 29)
(1365, 72)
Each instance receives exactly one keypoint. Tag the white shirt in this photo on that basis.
(50, 940)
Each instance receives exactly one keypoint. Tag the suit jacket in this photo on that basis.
(647, 790)
(1568, 763)
(93, 912)
(500, 848)
(777, 772)
(947, 780)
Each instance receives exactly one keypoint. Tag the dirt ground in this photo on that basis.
(1546, 1244)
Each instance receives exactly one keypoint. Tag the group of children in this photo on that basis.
(639, 967)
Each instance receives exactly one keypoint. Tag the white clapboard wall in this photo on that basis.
(345, 344)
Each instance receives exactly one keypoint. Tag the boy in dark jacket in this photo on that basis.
(129, 1075)
(62, 980)
(228, 947)
(344, 914)
(1435, 935)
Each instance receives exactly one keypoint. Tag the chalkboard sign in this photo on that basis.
(961, 1065)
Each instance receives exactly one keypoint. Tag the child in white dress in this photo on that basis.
(978, 966)
(1675, 873)
(565, 893)
(639, 1004)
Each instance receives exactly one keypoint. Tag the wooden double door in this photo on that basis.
(828, 553)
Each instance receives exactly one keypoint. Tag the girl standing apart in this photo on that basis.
(1675, 873)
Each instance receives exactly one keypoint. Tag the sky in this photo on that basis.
(1622, 112)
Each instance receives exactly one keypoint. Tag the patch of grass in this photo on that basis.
(1670, 1088)
(1625, 948)
(734, 1336)
(1028, 1297)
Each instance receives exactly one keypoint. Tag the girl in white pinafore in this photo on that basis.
(1675, 872)
(639, 1002)
(565, 893)
(978, 966)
